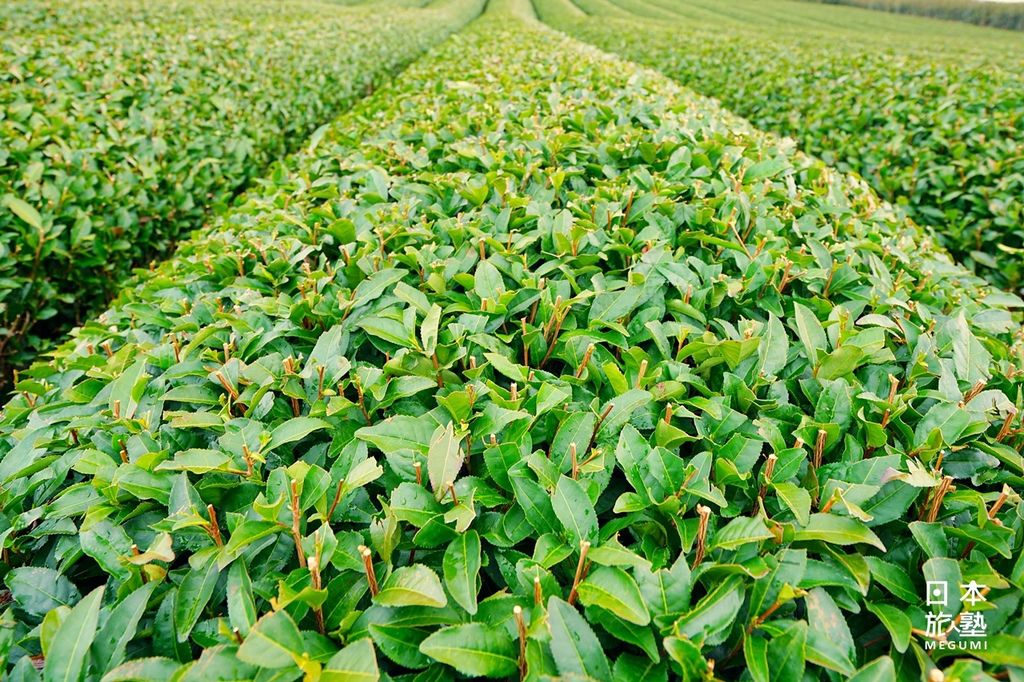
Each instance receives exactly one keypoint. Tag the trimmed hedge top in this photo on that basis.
(536, 364)
(124, 123)
(931, 119)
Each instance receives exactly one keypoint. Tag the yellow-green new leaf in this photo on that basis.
(414, 585)
(613, 589)
(355, 663)
(274, 642)
(461, 566)
(444, 459)
(474, 649)
(837, 530)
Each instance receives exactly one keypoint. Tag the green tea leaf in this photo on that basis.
(574, 647)
(414, 585)
(614, 590)
(473, 649)
(461, 569)
(67, 656)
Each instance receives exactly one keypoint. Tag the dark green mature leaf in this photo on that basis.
(67, 657)
(797, 499)
(786, 652)
(400, 432)
(879, 670)
(575, 510)
(119, 628)
(895, 621)
(293, 430)
(574, 647)
(193, 595)
(241, 603)
(144, 670)
(38, 590)
(712, 616)
(741, 531)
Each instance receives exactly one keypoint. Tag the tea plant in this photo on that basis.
(533, 365)
(933, 123)
(125, 122)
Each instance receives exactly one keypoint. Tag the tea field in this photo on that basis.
(533, 363)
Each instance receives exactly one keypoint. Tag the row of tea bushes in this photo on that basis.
(124, 122)
(934, 123)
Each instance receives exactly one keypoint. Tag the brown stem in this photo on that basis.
(362, 401)
(517, 611)
(940, 493)
(702, 534)
(973, 393)
(554, 316)
(629, 206)
(819, 448)
(584, 548)
(371, 576)
(526, 346)
(226, 384)
(894, 385)
(536, 304)
(214, 526)
(296, 534)
(764, 616)
(769, 469)
(1007, 424)
(247, 455)
(997, 505)
(337, 499)
(586, 359)
(314, 572)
